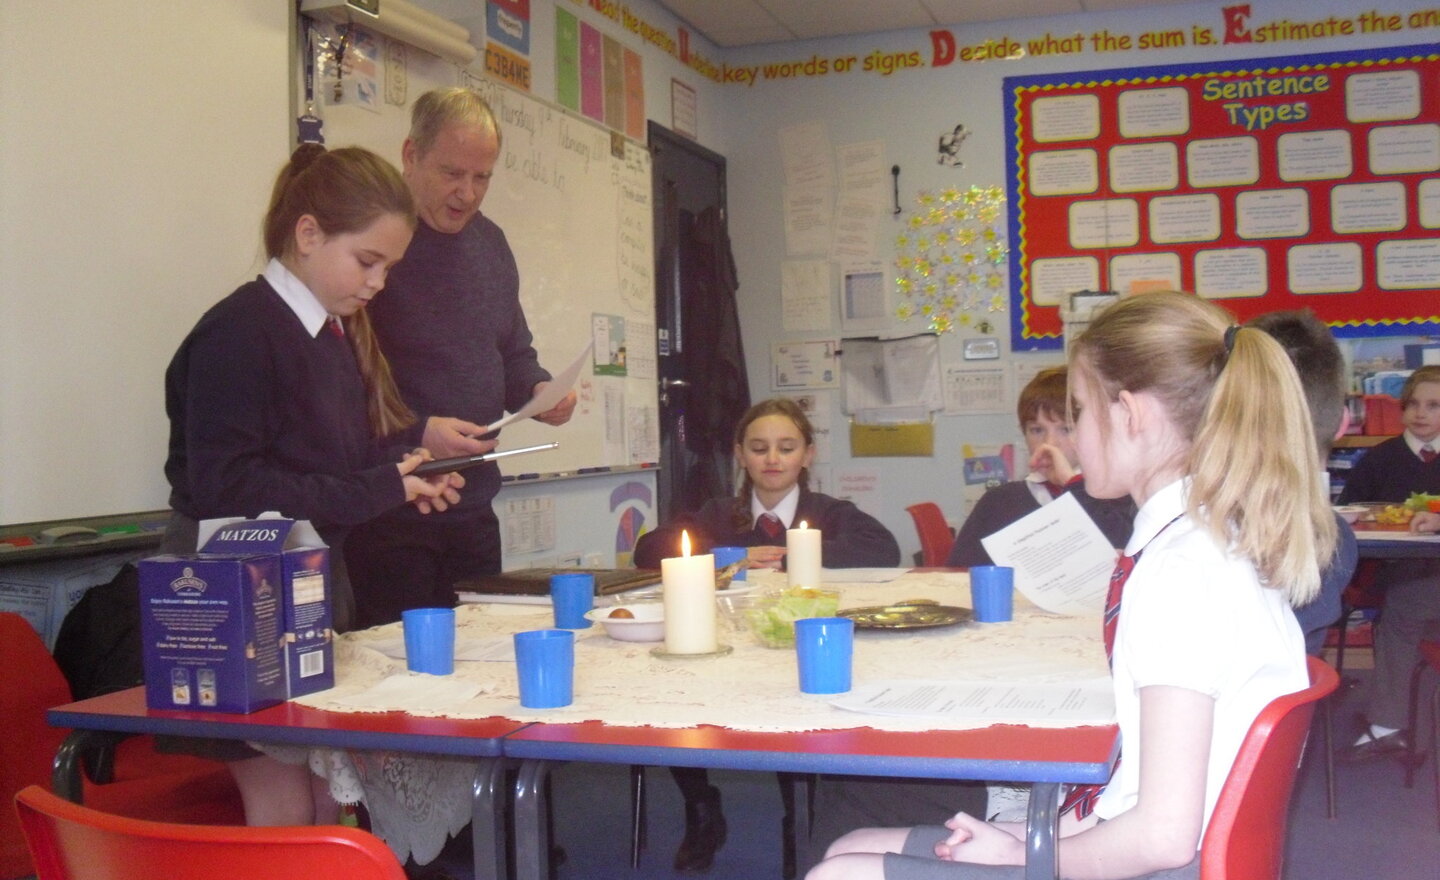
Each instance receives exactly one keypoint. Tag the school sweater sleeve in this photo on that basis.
(849, 537)
(263, 417)
(995, 510)
(1379, 474)
(708, 527)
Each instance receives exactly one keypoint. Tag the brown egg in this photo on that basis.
(622, 614)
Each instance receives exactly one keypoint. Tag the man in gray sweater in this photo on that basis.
(452, 327)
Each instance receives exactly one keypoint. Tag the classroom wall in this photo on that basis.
(136, 152)
(907, 110)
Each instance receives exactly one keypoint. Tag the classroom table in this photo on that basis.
(685, 727)
(1391, 544)
(125, 712)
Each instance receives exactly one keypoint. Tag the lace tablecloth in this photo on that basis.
(415, 800)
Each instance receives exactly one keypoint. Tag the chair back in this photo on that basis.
(72, 842)
(30, 683)
(934, 531)
(1245, 839)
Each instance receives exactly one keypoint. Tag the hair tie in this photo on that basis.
(1230, 338)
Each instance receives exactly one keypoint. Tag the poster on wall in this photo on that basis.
(1263, 184)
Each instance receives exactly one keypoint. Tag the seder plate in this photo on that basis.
(907, 616)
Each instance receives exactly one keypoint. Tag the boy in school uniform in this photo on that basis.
(1390, 472)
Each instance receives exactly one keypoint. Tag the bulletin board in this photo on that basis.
(1276, 183)
(574, 202)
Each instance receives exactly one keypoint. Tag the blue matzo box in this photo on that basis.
(214, 623)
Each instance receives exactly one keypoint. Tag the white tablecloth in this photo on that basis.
(415, 800)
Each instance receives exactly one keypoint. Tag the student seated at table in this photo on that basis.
(1390, 472)
(1170, 396)
(774, 446)
(1053, 472)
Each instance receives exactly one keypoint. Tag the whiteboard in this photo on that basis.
(575, 204)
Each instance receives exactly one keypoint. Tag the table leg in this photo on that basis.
(532, 832)
(1042, 826)
(487, 825)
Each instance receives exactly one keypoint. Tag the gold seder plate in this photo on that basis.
(907, 616)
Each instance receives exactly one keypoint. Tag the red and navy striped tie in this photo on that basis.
(1082, 798)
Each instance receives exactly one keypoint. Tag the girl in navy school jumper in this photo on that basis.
(1391, 471)
(1168, 409)
(775, 445)
(273, 406)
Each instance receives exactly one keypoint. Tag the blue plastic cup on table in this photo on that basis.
(992, 592)
(824, 649)
(429, 640)
(729, 556)
(545, 662)
(572, 593)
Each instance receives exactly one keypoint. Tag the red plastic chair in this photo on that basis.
(72, 842)
(142, 783)
(934, 531)
(1245, 839)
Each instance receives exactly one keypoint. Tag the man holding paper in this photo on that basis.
(462, 354)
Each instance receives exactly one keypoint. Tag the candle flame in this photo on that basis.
(684, 543)
(802, 524)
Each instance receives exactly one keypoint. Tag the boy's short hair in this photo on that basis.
(1424, 374)
(1047, 392)
(1318, 362)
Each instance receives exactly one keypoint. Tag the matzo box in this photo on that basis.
(214, 623)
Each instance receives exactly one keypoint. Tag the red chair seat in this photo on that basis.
(146, 784)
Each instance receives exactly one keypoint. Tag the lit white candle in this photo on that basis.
(689, 593)
(802, 556)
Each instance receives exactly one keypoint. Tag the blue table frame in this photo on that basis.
(1046, 757)
(113, 716)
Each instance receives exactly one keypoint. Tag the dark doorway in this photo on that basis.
(703, 387)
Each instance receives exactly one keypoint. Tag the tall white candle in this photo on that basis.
(802, 556)
(689, 594)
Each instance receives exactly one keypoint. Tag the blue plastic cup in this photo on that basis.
(729, 556)
(992, 592)
(429, 640)
(824, 648)
(572, 593)
(545, 661)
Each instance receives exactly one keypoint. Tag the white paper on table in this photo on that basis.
(860, 575)
(414, 691)
(1090, 701)
(491, 648)
(1062, 560)
(467, 598)
(550, 395)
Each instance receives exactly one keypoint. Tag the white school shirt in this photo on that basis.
(297, 296)
(1416, 444)
(1196, 617)
(785, 508)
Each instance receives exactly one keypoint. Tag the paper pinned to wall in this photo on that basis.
(805, 296)
(976, 390)
(892, 373)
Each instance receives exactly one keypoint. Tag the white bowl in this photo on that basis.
(648, 624)
(1350, 512)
